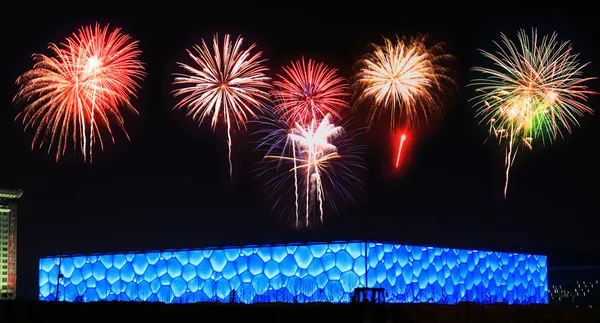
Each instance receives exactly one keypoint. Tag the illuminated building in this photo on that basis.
(8, 243)
(324, 272)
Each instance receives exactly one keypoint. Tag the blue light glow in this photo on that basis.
(299, 273)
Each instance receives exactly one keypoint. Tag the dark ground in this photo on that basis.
(35, 311)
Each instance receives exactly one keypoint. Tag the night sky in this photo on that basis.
(169, 187)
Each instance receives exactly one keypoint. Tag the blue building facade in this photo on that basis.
(327, 272)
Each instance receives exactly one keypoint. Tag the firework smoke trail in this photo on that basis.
(321, 159)
(296, 195)
(81, 85)
(534, 92)
(309, 90)
(405, 79)
(228, 82)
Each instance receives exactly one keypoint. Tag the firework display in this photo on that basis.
(78, 90)
(306, 143)
(228, 83)
(316, 162)
(308, 91)
(404, 79)
(534, 92)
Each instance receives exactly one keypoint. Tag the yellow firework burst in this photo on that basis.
(404, 78)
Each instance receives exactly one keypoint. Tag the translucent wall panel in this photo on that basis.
(319, 272)
(412, 274)
(293, 273)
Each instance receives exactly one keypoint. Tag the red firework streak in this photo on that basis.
(399, 146)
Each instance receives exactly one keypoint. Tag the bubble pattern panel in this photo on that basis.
(412, 274)
(297, 273)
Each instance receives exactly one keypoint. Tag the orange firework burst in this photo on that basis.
(227, 84)
(309, 90)
(405, 77)
(79, 89)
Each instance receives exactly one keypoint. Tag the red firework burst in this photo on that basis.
(78, 90)
(308, 91)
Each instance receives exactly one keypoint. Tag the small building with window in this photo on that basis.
(8, 243)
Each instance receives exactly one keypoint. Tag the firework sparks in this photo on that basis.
(226, 84)
(79, 88)
(320, 158)
(536, 91)
(404, 79)
(309, 90)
